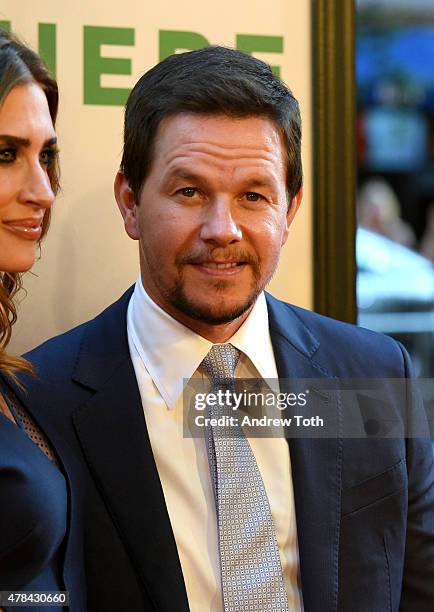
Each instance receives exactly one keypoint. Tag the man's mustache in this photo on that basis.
(220, 255)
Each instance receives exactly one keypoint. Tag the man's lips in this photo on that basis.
(220, 268)
(30, 228)
(223, 265)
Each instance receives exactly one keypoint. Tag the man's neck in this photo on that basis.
(217, 334)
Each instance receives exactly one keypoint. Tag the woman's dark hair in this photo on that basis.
(20, 65)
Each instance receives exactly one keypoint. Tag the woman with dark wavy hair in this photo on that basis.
(33, 488)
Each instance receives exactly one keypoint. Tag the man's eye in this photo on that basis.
(252, 196)
(188, 192)
(48, 156)
(7, 155)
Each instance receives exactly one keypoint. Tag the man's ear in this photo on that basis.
(127, 205)
(292, 210)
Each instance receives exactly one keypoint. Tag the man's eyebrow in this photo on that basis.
(258, 183)
(184, 174)
(250, 182)
(24, 142)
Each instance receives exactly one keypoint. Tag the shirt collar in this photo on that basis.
(171, 352)
(253, 339)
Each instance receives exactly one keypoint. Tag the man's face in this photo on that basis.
(212, 215)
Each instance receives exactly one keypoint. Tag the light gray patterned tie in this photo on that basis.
(252, 579)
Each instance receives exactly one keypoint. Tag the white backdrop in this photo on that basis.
(87, 259)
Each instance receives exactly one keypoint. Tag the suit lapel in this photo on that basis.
(315, 462)
(113, 435)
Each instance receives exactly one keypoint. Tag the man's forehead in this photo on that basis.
(193, 135)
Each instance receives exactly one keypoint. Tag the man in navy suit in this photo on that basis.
(209, 185)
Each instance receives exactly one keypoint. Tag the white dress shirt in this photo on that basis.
(164, 353)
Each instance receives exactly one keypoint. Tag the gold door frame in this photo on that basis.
(334, 158)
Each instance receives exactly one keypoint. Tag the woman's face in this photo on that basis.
(27, 149)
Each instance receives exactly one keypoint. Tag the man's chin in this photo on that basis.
(213, 313)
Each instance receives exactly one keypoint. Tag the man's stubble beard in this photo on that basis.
(178, 298)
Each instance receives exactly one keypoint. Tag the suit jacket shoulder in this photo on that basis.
(101, 343)
(340, 349)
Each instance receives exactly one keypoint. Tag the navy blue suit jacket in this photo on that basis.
(364, 507)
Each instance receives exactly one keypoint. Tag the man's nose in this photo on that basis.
(219, 223)
(36, 188)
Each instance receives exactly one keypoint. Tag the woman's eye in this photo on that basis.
(47, 156)
(7, 155)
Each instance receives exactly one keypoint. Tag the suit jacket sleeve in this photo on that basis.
(418, 580)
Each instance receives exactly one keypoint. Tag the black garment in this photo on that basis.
(33, 514)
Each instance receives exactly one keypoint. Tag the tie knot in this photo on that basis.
(220, 363)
